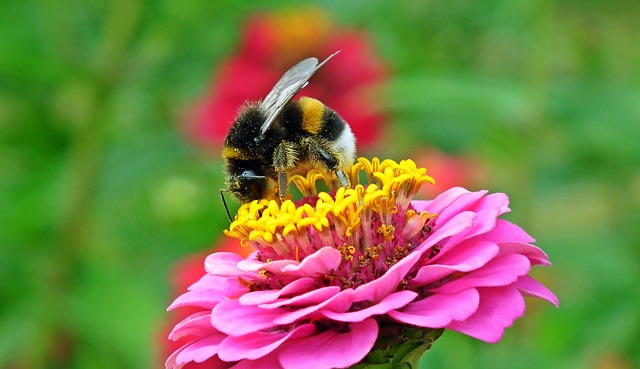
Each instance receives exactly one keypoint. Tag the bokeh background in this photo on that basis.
(109, 174)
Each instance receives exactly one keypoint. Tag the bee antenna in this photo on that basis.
(224, 202)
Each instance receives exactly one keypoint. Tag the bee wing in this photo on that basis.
(294, 80)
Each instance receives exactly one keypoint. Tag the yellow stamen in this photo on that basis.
(389, 189)
(387, 232)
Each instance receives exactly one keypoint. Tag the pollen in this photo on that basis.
(387, 232)
(233, 153)
(372, 224)
(347, 252)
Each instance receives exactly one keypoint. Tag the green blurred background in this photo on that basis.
(100, 192)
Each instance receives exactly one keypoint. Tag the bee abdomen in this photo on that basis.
(337, 131)
(320, 121)
(313, 114)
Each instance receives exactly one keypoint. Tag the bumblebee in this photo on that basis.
(276, 138)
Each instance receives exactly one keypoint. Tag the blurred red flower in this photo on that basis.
(271, 44)
(185, 273)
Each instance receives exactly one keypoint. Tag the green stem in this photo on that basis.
(399, 347)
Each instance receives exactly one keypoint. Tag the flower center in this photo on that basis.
(372, 223)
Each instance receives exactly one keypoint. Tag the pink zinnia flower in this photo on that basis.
(337, 276)
(272, 43)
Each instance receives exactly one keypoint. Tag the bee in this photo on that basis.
(276, 138)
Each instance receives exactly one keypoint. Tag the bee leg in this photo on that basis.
(282, 185)
(323, 154)
(224, 202)
(342, 177)
(284, 159)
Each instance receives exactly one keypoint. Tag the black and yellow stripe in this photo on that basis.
(313, 112)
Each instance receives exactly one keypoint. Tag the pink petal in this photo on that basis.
(431, 273)
(225, 264)
(223, 286)
(494, 200)
(499, 308)
(484, 222)
(533, 253)
(438, 310)
(198, 324)
(320, 262)
(237, 320)
(340, 300)
(204, 298)
(255, 266)
(258, 344)
(461, 204)
(263, 297)
(441, 202)
(331, 349)
(212, 363)
(501, 271)
(505, 231)
(379, 288)
(456, 225)
(170, 363)
(208, 281)
(266, 362)
(531, 287)
(465, 257)
(306, 299)
(196, 351)
(391, 302)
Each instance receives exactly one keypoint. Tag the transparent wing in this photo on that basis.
(287, 87)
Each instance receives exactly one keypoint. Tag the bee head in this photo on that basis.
(248, 186)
